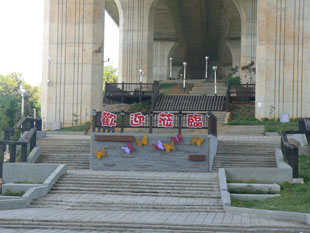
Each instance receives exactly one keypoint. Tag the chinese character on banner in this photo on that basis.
(165, 120)
(137, 119)
(194, 121)
(108, 119)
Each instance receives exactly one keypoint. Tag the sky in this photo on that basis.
(21, 39)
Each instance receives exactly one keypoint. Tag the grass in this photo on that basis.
(28, 182)
(79, 128)
(167, 86)
(248, 191)
(174, 88)
(11, 193)
(294, 197)
(244, 114)
(140, 107)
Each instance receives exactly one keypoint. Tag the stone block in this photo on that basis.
(197, 158)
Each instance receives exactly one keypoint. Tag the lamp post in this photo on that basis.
(23, 91)
(141, 72)
(215, 89)
(207, 58)
(184, 77)
(49, 71)
(170, 68)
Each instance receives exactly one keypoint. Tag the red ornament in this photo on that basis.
(108, 119)
(194, 121)
(137, 119)
(165, 120)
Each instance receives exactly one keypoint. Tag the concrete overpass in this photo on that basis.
(272, 33)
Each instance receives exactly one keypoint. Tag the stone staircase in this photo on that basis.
(69, 150)
(207, 88)
(234, 154)
(103, 191)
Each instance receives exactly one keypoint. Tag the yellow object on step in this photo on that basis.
(170, 147)
(142, 142)
(197, 141)
(100, 154)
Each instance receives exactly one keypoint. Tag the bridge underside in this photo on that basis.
(152, 31)
(191, 30)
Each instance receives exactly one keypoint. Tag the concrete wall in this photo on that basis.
(283, 56)
(13, 172)
(147, 158)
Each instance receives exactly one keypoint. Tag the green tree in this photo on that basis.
(10, 99)
(109, 74)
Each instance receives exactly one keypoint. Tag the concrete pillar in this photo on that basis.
(136, 39)
(283, 58)
(161, 52)
(235, 49)
(248, 14)
(72, 60)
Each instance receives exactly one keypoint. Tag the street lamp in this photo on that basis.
(207, 58)
(170, 68)
(23, 92)
(141, 72)
(215, 89)
(184, 77)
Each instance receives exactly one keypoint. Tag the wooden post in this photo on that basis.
(2, 149)
(140, 92)
(123, 87)
(33, 140)
(294, 158)
(122, 121)
(39, 124)
(180, 114)
(12, 153)
(212, 124)
(94, 123)
(151, 114)
(24, 152)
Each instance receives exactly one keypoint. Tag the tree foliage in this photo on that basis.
(10, 99)
(109, 74)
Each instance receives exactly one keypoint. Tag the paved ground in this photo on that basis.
(185, 219)
(43, 220)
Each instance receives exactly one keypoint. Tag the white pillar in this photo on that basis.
(136, 39)
(72, 80)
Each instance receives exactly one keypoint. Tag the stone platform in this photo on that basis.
(146, 158)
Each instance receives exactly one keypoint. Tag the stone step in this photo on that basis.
(99, 206)
(107, 180)
(137, 176)
(79, 160)
(103, 226)
(138, 184)
(145, 189)
(124, 192)
(137, 189)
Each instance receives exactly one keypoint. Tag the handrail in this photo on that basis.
(304, 127)
(29, 138)
(234, 92)
(290, 151)
(124, 90)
